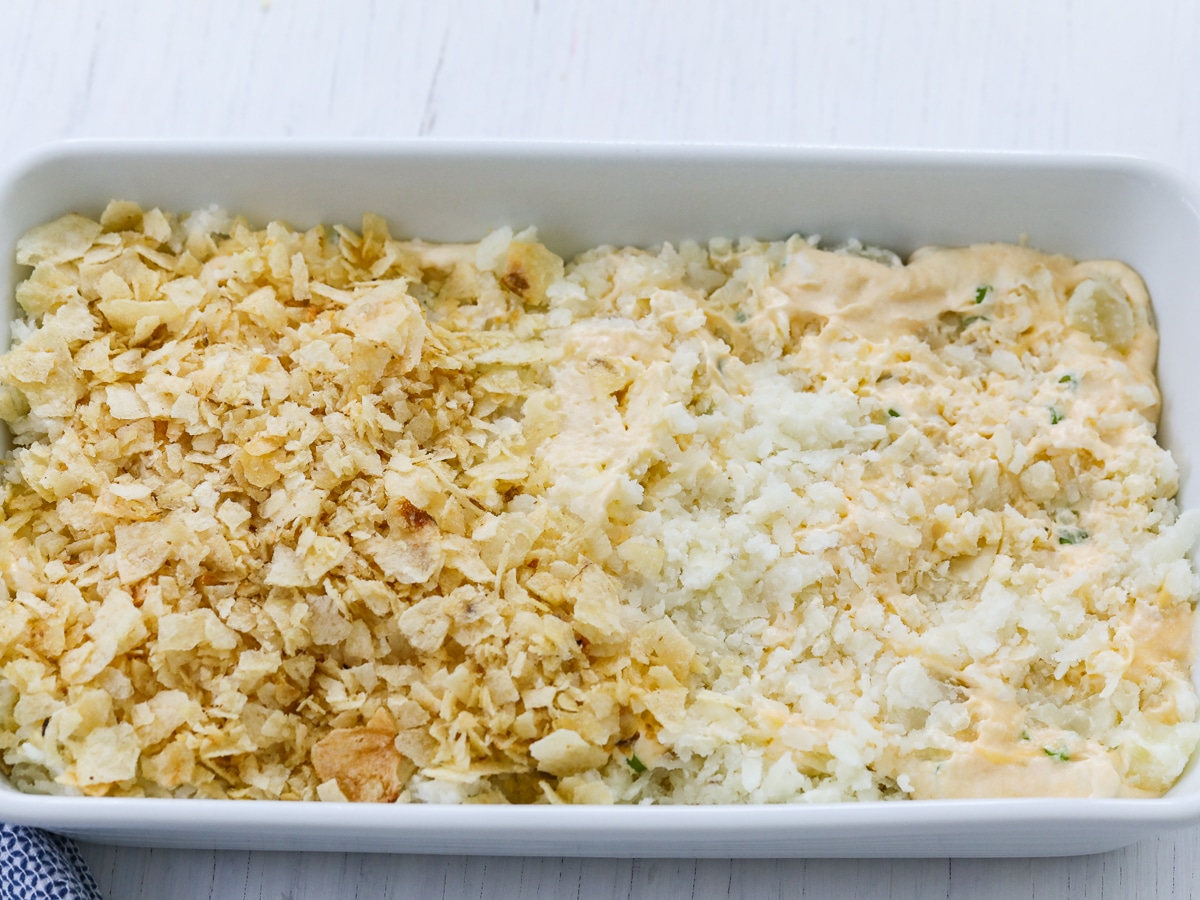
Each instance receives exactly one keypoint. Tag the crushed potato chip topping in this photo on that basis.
(327, 515)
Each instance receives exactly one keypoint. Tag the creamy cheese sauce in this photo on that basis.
(880, 303)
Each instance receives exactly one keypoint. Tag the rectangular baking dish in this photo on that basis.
(580, 195)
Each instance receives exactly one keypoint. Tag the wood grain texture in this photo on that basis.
(1103, 76)
(1148, 871)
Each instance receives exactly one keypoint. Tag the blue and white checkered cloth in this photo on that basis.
(38, 865)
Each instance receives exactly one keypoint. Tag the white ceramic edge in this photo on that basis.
(515, 149)
(655, 830)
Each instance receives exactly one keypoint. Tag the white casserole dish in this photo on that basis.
(579, 196)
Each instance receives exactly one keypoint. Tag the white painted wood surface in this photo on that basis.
(1100, 76)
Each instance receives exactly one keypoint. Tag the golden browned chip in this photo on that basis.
(364, 761)
(529, 270)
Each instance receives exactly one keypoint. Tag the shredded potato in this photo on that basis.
(327, 515)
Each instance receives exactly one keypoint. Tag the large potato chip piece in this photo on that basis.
(142, 548)
(364, 761)
(564, 752)
(107, 755)
(412, 551)
(43, 369)
(387, 315)
(597, 606)
(198, 628)
(529, 270)
(59, 241)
